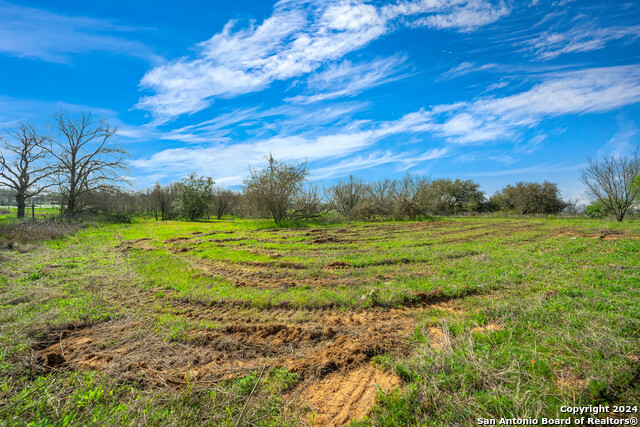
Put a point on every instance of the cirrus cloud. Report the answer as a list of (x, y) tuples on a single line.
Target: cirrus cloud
[(298, 38)]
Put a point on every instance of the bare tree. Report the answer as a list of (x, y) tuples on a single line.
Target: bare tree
[(162, 198), (223, 201), (615, 181), (275, 189), (406, 203), (382, 193), (23, 163), (347, 195), (87, 158), (308, 203)]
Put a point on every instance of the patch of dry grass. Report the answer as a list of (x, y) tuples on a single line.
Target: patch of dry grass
[(24, 232)]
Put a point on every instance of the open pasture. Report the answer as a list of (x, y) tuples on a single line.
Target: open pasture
[(398, 323)]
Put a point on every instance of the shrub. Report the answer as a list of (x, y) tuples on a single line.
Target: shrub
[(194, 196), (529, 198)]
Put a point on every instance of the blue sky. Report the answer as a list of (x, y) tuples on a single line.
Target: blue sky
[(494, 91)]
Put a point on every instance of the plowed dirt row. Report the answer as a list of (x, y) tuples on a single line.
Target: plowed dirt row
[(330, 350)]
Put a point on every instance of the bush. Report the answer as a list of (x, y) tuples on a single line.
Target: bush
[(529, 198), (195, 196), (406, 200), (445, 196), (279, 191), (597, 210), (348, 197)]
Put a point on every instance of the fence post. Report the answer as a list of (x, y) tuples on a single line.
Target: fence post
[(33, 211)]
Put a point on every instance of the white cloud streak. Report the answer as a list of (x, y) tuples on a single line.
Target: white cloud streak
[(588, 91), (298, 38), (484, 120), (27, 32), (466, 68), (623, 142), (225, 160), (348, 79), (582, 38)]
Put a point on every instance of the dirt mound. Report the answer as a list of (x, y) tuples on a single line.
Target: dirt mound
[(326, 239), (180, 249), (603, 234), (343, 396), (212, 232), (439, 339), (177, 240), (438, 296), (392, 261), (491, 327), (53, 359), (271, 264), (228, 239), (337, 265), (127, 245)]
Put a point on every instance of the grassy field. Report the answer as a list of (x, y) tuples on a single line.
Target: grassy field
[(432, 323), (41, 211)]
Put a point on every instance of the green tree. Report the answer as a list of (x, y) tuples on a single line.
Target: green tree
[(529, 198), (445, 196), (195, 195)]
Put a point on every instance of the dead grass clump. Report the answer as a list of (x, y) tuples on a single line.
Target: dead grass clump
[(21, 232)]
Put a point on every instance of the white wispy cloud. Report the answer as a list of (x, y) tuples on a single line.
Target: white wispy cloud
[(348, 79), (252, 123), (623, 142), (463, 15), (404, 160), (578, 92), (538, 169), (582, 38), (28, 32), (225, 160), (532, 145), (298, 38), (483, 120), (466, 68)]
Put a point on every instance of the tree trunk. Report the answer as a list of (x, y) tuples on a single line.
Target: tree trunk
[(71, 207), (21, 205), (620, 215)]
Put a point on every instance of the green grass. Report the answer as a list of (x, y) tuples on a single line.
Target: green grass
[(540, 313)]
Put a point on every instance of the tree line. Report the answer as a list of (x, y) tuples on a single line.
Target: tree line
[(77, 160), (76, 157)]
